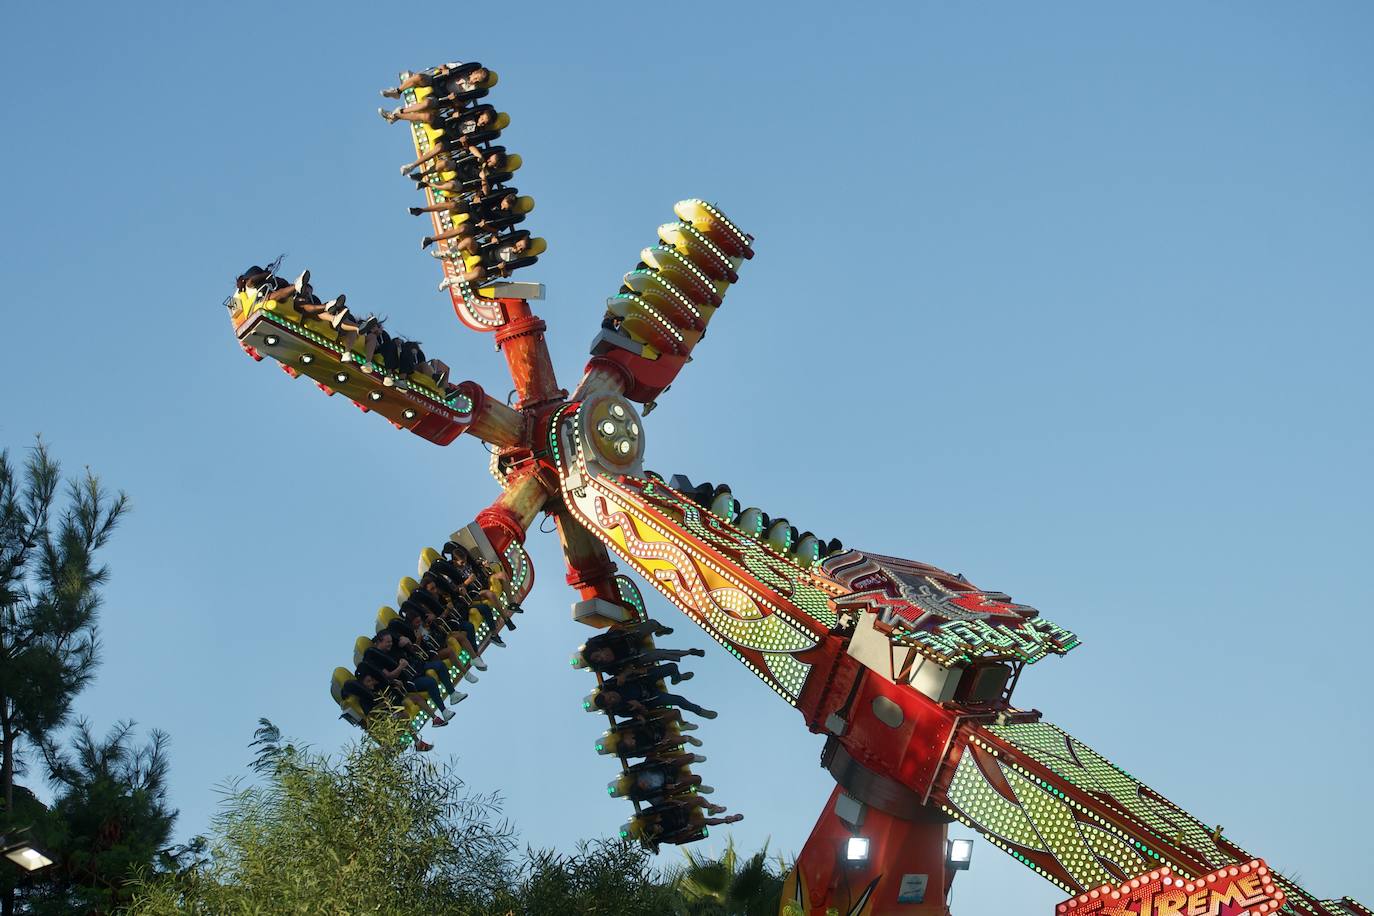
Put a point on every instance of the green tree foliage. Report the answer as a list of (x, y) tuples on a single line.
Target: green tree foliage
[(729, 886), (109, 819), (49, 597), (50, 585), (374, 829), (602, 878)]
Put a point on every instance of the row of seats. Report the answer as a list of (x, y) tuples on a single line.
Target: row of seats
[(803, 547), (410, 666), (361, 341), (666, 302), (466, 177), (648, 727)]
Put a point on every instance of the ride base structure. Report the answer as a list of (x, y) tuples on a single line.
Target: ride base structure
[(908, 671)]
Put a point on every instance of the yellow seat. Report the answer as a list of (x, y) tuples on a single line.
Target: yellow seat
[(403, 590), (384, 616), (341, 676), (420, 380), (427, 558), (360, 645)]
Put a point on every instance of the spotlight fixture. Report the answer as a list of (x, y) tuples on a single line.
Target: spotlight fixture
[(341, 377), (271, 340), (408, 414), (374, 395), (856, 849), (307, 358), (958, 854), (24, 854)]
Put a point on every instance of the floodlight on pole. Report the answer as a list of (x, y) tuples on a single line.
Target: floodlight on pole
[(24, 854), (959, 854)]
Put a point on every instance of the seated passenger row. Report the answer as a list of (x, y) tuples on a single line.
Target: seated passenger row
[(633, 674), (394, 357), (465, 175), (408, 669)]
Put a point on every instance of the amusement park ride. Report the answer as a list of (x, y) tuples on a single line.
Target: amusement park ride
[(907, 670)]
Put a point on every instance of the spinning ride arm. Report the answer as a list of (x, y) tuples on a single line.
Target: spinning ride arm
[(312, 348)]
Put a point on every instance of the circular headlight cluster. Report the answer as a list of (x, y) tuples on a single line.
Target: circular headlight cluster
[(614, 431)]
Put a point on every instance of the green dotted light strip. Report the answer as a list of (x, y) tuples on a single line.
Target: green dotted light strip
[(459, 403)]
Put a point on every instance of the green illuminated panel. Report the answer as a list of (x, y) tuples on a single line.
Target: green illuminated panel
[(990, 810), (1058, 828), (629, 593), (1092, 773), (762, 562), (787, 671), (1039, 819)]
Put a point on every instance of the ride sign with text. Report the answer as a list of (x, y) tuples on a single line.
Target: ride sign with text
[(1242, 889)]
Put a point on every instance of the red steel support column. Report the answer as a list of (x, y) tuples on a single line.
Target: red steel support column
[(902, 855), (521, 339), (590, 568), (514, 511)]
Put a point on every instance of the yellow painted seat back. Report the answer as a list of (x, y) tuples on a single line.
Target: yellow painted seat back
[(384, 616), (360, 645), (403, 590), (340, 677)]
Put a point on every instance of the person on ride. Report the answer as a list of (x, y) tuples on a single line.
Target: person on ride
[(265, 285), (604, 659), (636, 698), (462, 76), (501, 255), (448, 93), (401, 357), (436, 369), (405, 648), (453, 205), (461, 133), (368, 690), (625, 645), (654, 781), (421, 655), (476, 167), (647, 673), (385, 659), (436, 632), (439, 590), (466, 161), (674, 822), (652, 740), (655, 738), (394, 692), (499, 209), (488, 603)]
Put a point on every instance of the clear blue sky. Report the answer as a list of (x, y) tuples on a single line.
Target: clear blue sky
[(1073, 298)]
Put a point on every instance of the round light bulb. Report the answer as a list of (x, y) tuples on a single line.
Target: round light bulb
[(607, 428), (617, 411)]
